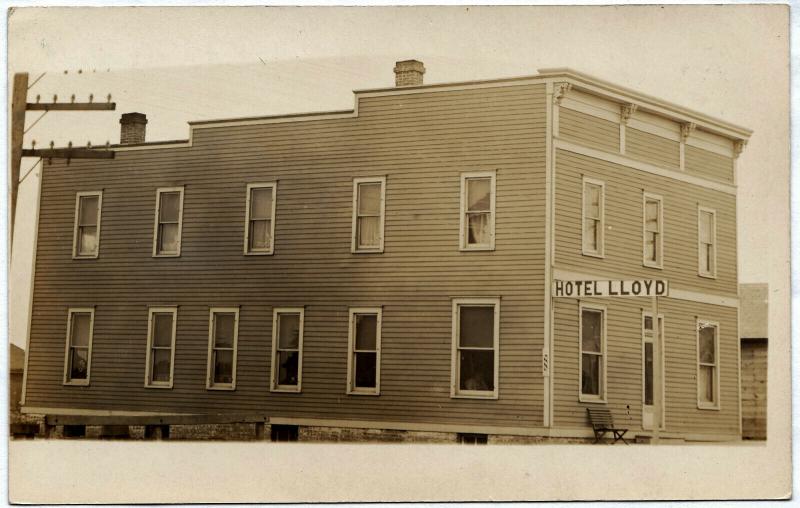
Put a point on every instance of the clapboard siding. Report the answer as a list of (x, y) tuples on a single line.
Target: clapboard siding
[(623, 222), (421, 143), (624, 365), (588, 130), (709, 164), (652, 148)]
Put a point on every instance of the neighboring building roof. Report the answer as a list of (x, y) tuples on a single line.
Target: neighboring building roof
[(753, 311), (16, 359)]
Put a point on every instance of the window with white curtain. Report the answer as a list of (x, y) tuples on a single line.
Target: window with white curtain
[(368, 214), (260, 218), (160, 346), (169, 216), (478, 210), (86, 241)]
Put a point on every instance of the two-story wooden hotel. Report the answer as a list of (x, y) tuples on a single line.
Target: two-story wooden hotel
[(391, 267)]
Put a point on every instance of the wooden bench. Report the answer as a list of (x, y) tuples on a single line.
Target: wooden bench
[(602, 423)]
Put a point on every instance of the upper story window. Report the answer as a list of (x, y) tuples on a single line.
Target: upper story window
[(259, 226), (364, 345), (653, 231), (707, 365), (592, 353), (223, 335), (476, 347), (78, 358), (287, 349), (707, 242), (369, 196), (477, 210), (593, 217), (160, 346), (86, 238), (169, 219)]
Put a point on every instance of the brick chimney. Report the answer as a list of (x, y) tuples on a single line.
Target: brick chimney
[(408, 73), (133, 127)]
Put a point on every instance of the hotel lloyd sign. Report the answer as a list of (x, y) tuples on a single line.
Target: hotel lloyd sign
[(610, 288)]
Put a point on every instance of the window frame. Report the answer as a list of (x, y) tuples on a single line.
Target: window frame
[(463, 222), (455, 364), (75, 240), (159, 191), (67, 381), (601, 241), (273, 377), (716, 406), (712, 274), (152, 311), (351, 351), (210, 385), (271, 250), (659, 247), (585, 397), (355, 248)]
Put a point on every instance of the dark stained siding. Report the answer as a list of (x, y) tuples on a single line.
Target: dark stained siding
[(623, 222), (709, 164), (754, 389), (588, 130), (421, 143), (651, 148), (624, 369)]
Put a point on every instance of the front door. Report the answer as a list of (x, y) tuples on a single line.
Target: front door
[(649, 363)]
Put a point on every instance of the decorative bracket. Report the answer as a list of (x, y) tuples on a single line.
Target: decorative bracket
[(560, 91), (738, 147), (626, 111), (687, 129)]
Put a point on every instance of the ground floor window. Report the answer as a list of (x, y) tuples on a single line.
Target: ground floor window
[(287, 349), (283, 433), (592, 353), (476, 339), (364, 362), (707, 365), (222, 338)]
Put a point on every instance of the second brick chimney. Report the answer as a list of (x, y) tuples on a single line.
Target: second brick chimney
[(133, 128), (408, 73)]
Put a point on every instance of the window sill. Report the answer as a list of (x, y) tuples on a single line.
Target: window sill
[(476, 395), (259, 253), (160, 386), (367, 251), (704, 407), (591, 399), (483, 248), (360, 392), (707, 275), (166, 255), (86, 257), (76, 383), (654, 266), (593, 254), (222, 388), (285, 390)]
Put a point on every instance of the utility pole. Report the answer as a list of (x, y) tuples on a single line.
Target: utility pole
[(19, 106)]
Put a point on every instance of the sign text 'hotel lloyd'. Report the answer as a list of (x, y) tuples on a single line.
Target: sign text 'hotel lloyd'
[(604, 288)]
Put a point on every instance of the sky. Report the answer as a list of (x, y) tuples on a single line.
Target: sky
[(183, 64)]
